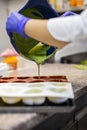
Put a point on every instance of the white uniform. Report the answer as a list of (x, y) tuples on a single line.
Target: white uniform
[(72, 29), (68, 28)]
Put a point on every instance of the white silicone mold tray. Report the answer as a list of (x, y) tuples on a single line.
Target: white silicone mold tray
[(36, 93)]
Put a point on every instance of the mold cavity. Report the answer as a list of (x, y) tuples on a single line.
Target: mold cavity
[(58, 84), (6, 78), (37, 85), (58, 89), (18, 81), (23, 77), (3, 81), (54, 76), (58, 77), (35, 90), (54, 80), (43, 77), (35, 77), (37, 80)]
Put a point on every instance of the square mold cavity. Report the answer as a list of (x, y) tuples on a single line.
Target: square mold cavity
[(41, 104)]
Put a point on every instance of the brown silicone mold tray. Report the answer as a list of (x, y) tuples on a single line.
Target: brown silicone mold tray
[(33, 79), (46, 107)]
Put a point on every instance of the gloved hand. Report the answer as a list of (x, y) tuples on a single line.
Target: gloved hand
[(15, 24), (68, 13)]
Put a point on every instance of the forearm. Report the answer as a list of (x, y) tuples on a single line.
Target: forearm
[(37, 29)]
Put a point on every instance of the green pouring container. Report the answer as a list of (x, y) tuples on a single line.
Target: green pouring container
[(29, 47)]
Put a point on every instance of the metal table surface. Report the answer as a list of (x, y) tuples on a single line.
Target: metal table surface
[(77, 77)]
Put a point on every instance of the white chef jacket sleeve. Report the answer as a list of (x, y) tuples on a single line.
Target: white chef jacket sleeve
[(68, 28)]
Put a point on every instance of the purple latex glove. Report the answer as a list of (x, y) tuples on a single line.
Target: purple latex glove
[(15, 24), (68, 13)]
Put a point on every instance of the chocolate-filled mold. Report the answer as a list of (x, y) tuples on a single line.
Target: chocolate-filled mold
[(18, 81), (32, 79), (7, 78), (3, 81), (41, 77), (37, 80), (26, 77), (57, 79)]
